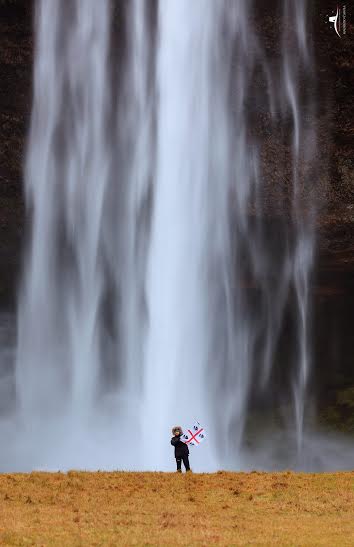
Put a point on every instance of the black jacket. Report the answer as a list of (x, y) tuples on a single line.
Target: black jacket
[(181, 449)]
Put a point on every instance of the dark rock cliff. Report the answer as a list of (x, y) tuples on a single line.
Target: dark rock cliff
[(16, 54)]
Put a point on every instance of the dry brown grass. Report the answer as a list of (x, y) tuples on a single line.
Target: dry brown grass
[(168, 509)]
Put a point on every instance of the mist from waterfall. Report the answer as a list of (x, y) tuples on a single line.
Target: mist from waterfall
[(156, 290)]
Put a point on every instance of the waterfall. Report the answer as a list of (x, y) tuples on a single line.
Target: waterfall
[(155, 287)]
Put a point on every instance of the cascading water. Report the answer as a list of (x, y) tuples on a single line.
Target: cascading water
[(152, 293)]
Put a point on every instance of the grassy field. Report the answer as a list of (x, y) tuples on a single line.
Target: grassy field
[(168, 509)]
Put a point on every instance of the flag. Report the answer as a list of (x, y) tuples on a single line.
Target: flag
[(194, 435)]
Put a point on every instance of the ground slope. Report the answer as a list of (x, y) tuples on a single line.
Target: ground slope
[(168, 509)]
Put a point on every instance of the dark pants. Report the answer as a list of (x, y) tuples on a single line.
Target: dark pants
[(185, 462)]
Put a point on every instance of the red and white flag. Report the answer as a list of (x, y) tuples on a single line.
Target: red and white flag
[(194, 435)]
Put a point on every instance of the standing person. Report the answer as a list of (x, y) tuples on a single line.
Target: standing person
[(181, 449)]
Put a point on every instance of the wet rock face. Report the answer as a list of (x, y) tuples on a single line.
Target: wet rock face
[(15, 104), (333, 179), (15, 91), (335, 58)]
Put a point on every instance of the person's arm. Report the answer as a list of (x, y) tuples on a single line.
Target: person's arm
[(175, 440)]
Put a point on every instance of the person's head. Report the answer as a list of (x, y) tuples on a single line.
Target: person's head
[(177, 430)]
